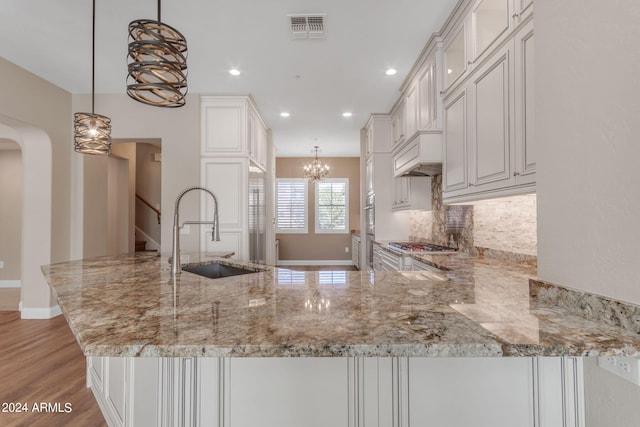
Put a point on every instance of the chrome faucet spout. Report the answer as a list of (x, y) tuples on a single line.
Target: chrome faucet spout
[(215, 230)]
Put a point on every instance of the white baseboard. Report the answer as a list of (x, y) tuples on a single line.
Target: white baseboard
[(10, 283), (39, 313), (314, 262)]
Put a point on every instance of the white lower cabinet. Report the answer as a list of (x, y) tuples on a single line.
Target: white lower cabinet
[(355, 250), (126, 389), (487, 392), (416, 265), (339, 391)]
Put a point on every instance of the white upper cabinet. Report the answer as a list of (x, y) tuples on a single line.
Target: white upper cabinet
[(454, 56), (257, 139), (412, 193), (491, 110), (428, 97), (454, 168), (232, 126), (525, 162), (489, 20), (224, 125), (522, 10), (479, 29), (398, 123), (378, 134), (489, 139), (411, 110)]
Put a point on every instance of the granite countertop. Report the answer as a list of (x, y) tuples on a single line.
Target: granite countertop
[(130, 305)]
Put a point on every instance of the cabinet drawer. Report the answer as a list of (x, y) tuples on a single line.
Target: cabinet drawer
[(390, 262)]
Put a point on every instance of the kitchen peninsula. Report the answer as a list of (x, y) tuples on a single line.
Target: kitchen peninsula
[(287, 348)]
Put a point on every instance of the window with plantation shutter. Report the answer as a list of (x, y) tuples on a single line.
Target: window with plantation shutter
[(291, 205), (332, 206)]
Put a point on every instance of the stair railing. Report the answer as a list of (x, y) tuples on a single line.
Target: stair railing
[(149, 205)]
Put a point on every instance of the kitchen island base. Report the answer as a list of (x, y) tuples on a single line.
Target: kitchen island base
[(338, 391)]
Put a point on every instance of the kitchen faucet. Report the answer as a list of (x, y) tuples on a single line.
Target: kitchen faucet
[(215, 229)]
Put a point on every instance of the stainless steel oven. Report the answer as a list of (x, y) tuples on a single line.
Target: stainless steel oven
[(370, 214)]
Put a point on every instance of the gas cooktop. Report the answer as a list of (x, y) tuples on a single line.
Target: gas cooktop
[(421, 247)]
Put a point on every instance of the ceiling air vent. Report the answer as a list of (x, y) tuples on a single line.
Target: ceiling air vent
[(307, 26)]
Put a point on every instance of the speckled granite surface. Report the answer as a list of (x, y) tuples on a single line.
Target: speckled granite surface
[(131, 306)]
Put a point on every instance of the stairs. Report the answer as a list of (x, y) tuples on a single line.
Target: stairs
[(141, 246)]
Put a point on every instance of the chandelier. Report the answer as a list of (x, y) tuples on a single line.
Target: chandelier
[(92, 132), (316, 171), (158, 63)]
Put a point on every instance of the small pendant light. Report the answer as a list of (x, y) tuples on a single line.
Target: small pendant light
[(92, 132), (157, 63)]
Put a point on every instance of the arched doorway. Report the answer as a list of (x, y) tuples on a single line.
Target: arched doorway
[(36, 298)]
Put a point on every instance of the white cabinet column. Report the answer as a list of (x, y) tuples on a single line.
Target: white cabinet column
[(234, 142)]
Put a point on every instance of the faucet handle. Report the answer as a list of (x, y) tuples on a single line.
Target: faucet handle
[(213, 233)]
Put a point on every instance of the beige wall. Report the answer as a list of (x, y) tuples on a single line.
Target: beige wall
[(321, 247), (127, 150), (587, 127), (148, 187), (40, 113), (178, 130), (11, 212)]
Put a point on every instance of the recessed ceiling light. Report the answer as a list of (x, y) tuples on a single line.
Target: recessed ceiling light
[(284, 114), (391, 71), (347, 114), (234, 72)]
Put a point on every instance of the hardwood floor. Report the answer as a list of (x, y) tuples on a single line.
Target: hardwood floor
[(41, 362), (9, 299)]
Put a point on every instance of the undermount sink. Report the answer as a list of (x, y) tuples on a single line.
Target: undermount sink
[(217, 270)]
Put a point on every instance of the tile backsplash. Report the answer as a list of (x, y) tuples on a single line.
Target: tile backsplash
[(503, 228)]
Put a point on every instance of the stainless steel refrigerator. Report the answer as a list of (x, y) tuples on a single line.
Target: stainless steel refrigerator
[(257, 212)]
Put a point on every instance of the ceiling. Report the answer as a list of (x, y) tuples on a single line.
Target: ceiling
[(314, 80)]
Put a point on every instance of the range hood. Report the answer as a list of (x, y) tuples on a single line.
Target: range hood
[(421, 155)]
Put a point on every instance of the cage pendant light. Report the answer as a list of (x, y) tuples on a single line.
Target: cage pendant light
[(92, 132), (316, 171), (157, 63)]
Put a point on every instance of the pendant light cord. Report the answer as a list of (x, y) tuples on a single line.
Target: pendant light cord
[(93, 58), (159, 11)]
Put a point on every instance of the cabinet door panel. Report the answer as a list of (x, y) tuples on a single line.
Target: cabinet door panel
[(490, 21), (289, 392), (226, 178), (115, 386), (224, 129), (455, 156), (411, 111), (491, 138), (479, 392), (524, 99), (425, 87)]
